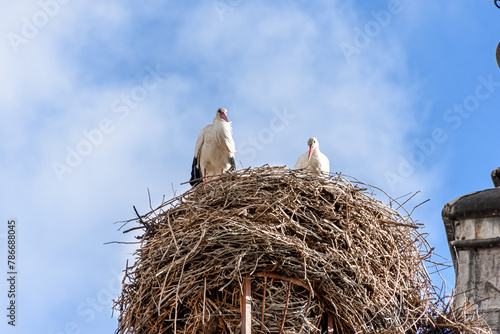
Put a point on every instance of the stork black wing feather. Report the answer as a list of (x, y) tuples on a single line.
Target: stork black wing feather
[(233, 164), (195, 173)]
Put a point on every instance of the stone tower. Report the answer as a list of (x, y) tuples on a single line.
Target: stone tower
[(472, 225)]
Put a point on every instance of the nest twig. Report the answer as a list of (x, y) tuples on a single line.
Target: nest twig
[(357, 259)]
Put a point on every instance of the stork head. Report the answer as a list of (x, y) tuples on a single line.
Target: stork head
[(313, 144), (221, 114)]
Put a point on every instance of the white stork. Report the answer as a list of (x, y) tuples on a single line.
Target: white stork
[(214, 149), (314, 159)]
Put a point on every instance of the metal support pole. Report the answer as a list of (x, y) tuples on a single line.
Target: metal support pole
[(246, 306), (330, 324)]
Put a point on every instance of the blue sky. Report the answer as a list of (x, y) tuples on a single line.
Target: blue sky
[(101, 102)]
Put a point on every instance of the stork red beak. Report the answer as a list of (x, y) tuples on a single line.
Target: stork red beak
[(311, 149), (223, 116)]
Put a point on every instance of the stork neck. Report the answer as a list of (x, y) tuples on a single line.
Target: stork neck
[(224, 135)]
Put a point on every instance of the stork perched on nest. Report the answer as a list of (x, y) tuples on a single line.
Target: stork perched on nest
[(214, 149), (314, 159)]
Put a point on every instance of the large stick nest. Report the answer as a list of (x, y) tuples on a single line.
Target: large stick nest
[(313, 246)]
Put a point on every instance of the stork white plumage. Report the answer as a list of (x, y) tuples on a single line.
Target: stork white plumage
[(214, 149), (313, 160)]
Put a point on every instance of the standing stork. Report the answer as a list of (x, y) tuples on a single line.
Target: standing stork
[(313, 160), (214, 149)]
